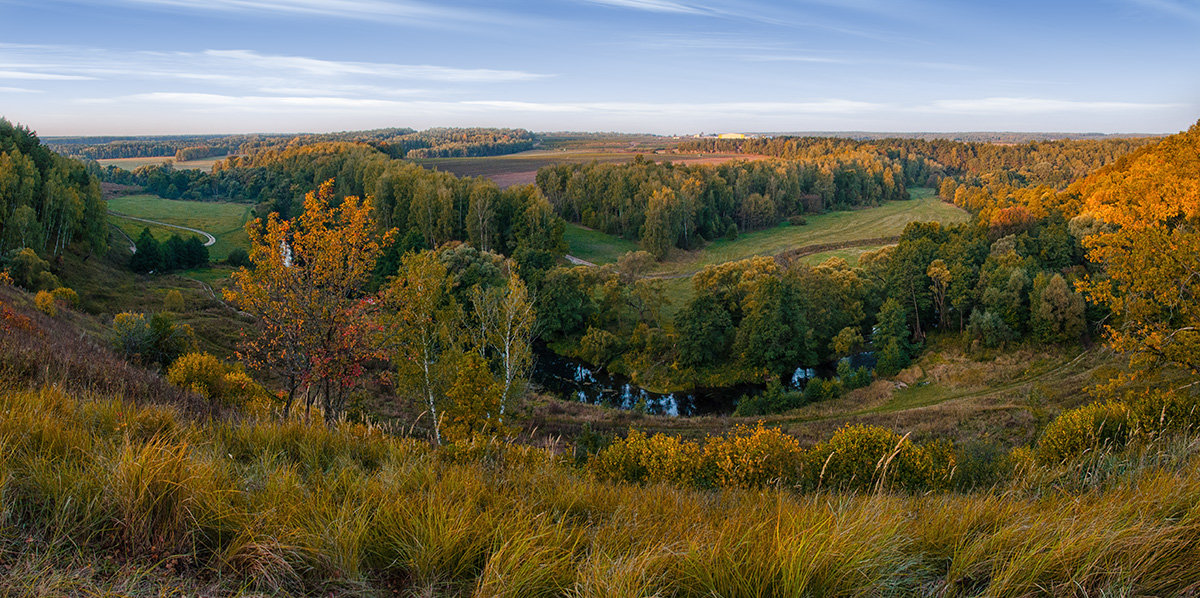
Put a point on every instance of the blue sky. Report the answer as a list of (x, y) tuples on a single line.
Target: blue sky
[(661, 66)]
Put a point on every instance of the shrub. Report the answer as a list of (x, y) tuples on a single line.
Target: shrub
[(66, 296), (1092, 427), (44, 302), (157, 339), (775, 399), (220, 383), (863, 457), (979, 465), (5, 279), (238, 258), (1155, 413), (852, 377), (658, 458), (173, 302), (797, 220), (31, 272), (752, 458), (820, 389)]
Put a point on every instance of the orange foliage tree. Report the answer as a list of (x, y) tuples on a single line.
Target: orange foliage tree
[(305, 290), (1151, 261)]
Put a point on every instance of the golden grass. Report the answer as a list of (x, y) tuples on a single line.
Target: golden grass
[(290, 507)]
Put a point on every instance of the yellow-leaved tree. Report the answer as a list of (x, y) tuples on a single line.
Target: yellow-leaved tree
[(1151, 254), (466, 362)]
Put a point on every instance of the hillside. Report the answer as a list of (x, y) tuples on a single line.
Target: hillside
[(116, 483)]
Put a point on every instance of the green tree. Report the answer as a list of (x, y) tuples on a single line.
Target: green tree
[(890, 338), (706, 332)]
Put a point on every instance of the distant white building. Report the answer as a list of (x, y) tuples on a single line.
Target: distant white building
[(731, 136)]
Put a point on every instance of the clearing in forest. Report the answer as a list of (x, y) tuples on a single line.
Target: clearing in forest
[(223, 220)]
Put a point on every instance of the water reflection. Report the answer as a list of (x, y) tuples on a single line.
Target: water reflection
[(570, 379), (574, 380)]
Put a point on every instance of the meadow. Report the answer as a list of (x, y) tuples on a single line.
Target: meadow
[(830, 228), (225, 221)]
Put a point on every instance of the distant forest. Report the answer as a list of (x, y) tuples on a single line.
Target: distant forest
[(395, 142)]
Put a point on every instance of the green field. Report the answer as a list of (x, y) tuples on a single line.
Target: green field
[(225, 221), (599, 247), (133, 228), (887, 220)]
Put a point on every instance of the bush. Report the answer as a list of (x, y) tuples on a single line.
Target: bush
[(173, 302), (44, 302), (5, 279), (775, 399), (222, 384), (66, 296), (1155, 413), (752, 458), (797, 220), (157, 339), (852, 377), (866, 457), (639, 458), (238, 258), (820, 389), (1096, 426), (31, 272)]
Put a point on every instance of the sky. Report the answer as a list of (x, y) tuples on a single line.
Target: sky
[(139, 67)]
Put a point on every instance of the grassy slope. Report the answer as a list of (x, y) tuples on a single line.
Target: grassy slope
[(133, 228), (106, 287), (223, 220), (116, 484), (595, 246)]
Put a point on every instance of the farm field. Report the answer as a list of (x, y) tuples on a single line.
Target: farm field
[(225, 221), (205, 164), (521, 168)]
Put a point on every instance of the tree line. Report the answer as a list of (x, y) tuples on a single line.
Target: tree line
[(665, 205), (396, 142), (47, 201)]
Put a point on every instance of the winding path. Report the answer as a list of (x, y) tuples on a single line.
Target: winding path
[(209, 239)]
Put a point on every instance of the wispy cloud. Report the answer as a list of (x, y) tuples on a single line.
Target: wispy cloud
[(1002, 105), (19, 90), (41, 76), (437, 14), (306, 102), (240, 70), (326, 68), (657, 6), (1178, 8)]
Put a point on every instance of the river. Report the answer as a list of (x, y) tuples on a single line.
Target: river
[(574, 380)]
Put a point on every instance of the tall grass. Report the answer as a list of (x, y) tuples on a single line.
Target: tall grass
[(286, 507)]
